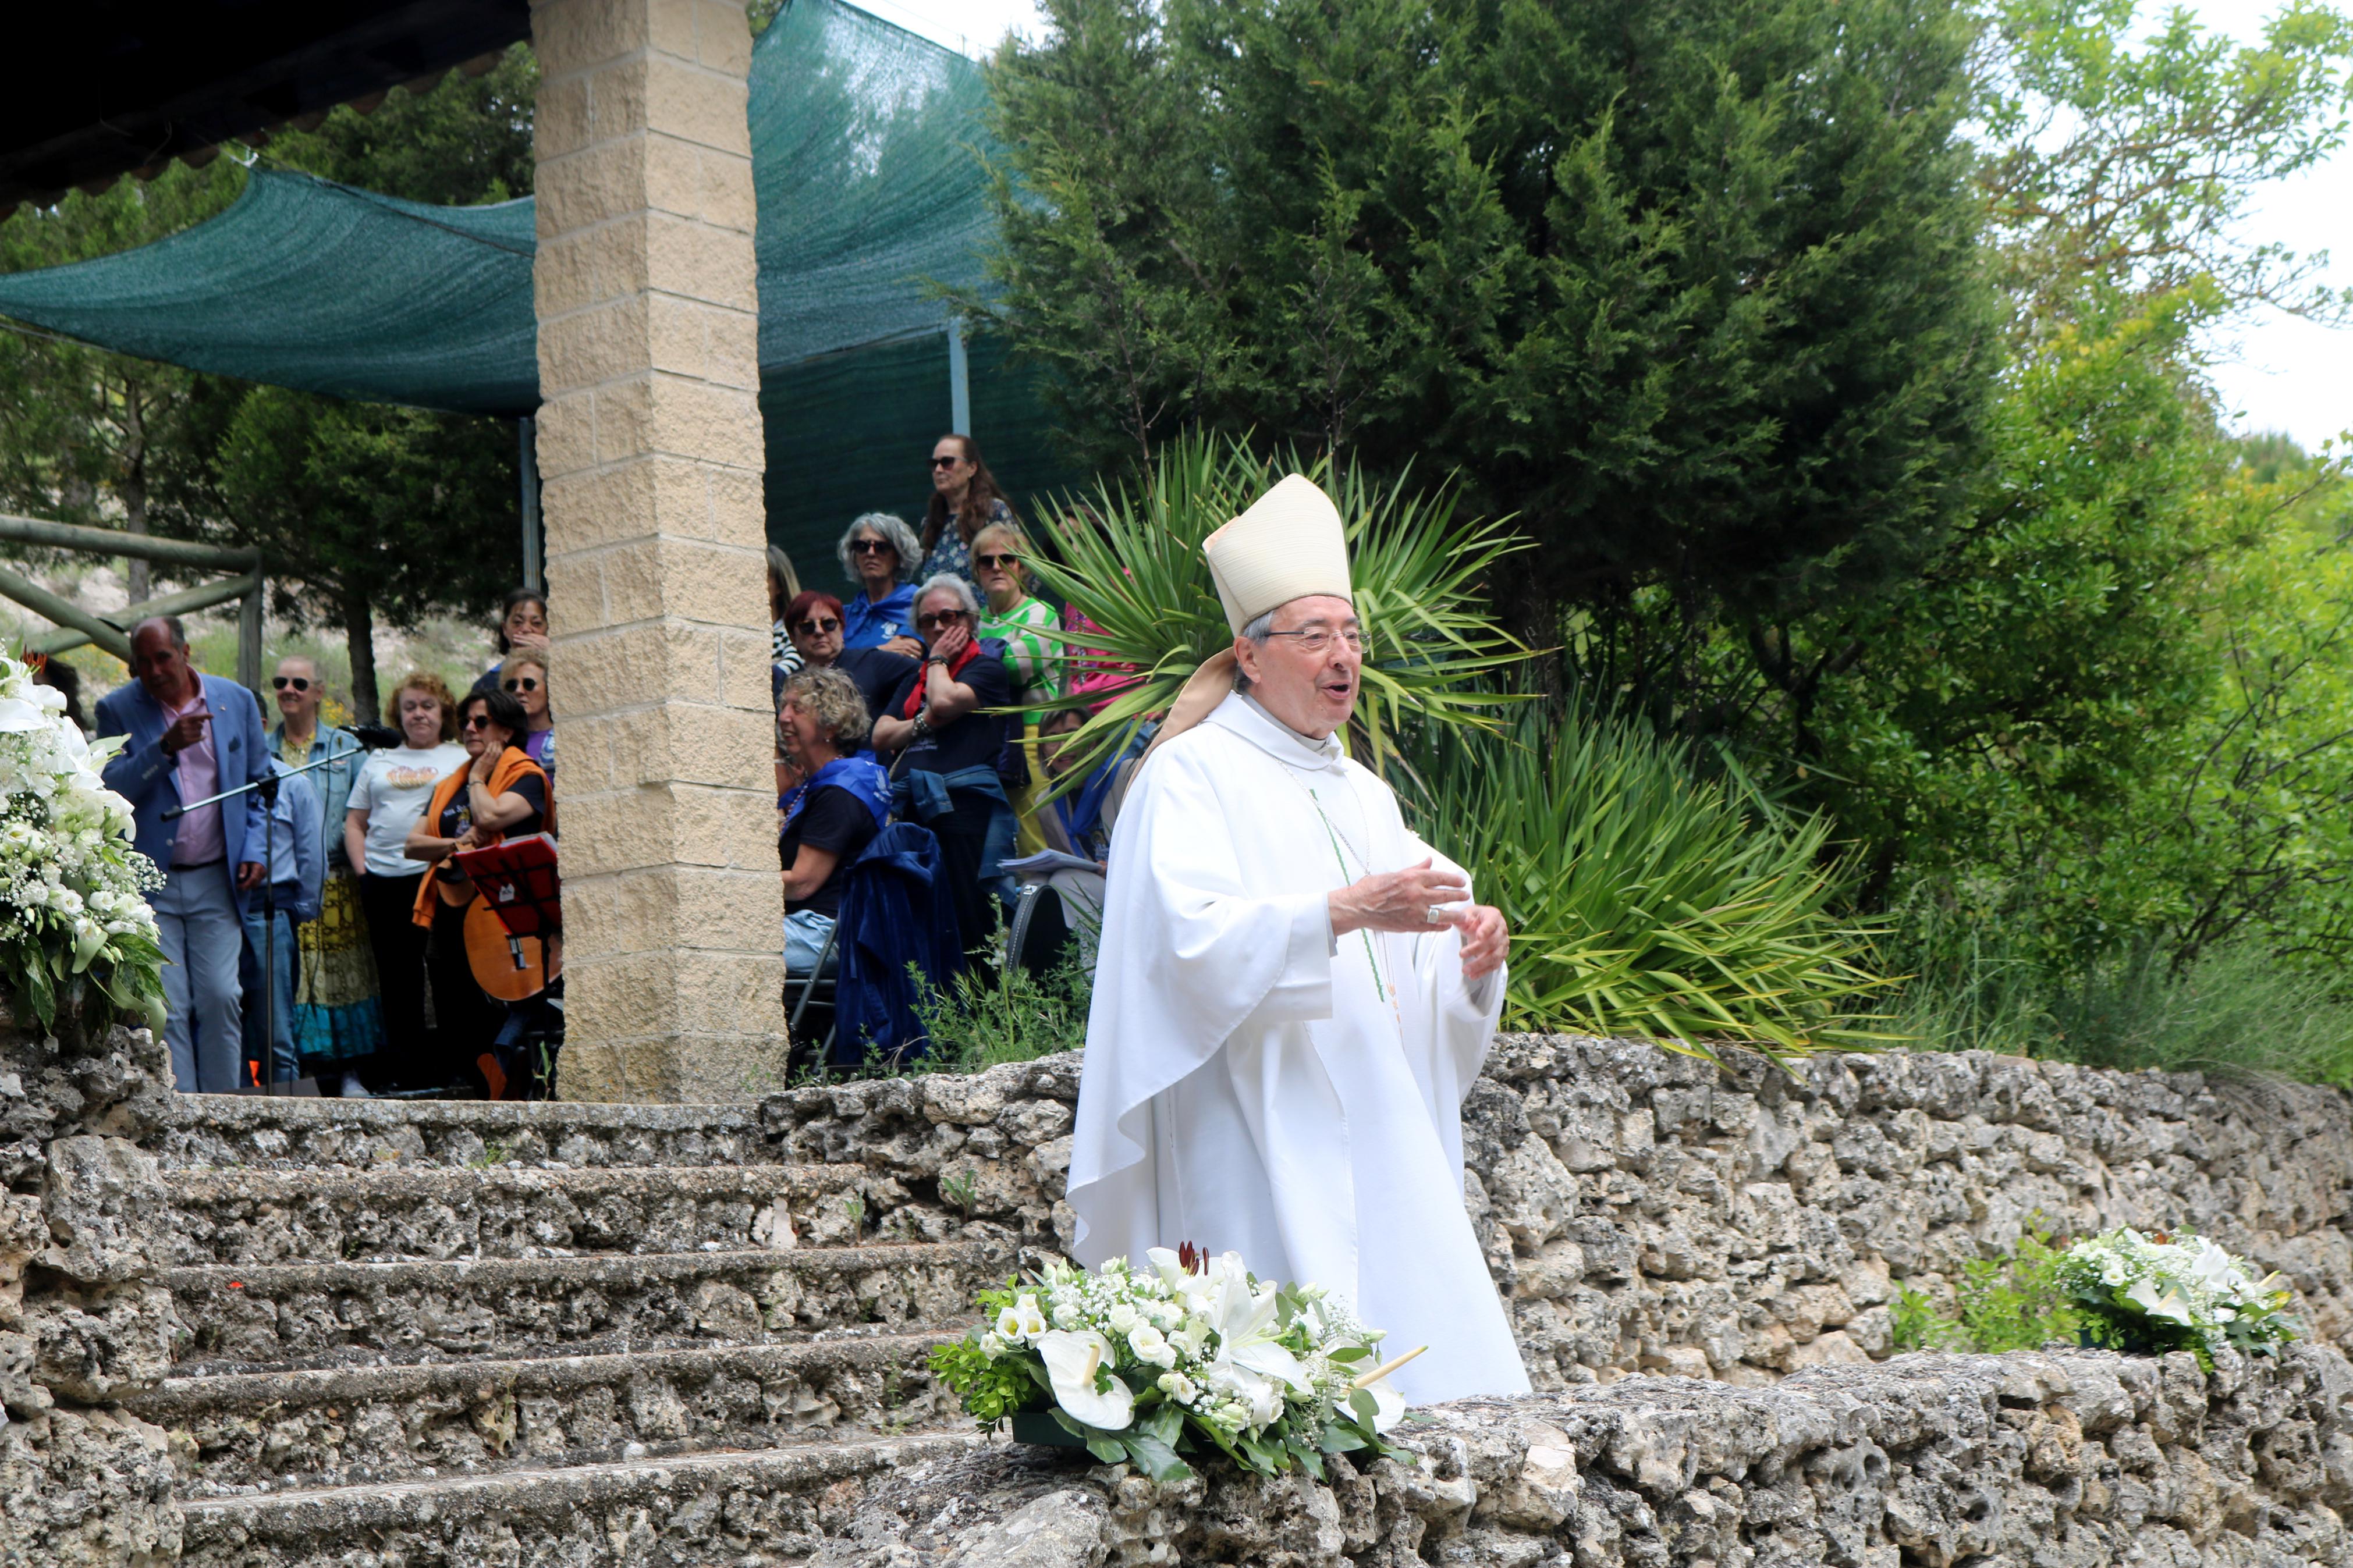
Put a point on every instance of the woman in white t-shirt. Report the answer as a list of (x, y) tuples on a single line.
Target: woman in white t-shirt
[(387, 800)]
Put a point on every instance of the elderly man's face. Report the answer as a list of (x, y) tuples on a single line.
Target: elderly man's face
[(1306, 674), (161, 664)]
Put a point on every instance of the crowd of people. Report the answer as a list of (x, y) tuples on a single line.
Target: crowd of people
[(926, 694), (325, 925), (321, 856)]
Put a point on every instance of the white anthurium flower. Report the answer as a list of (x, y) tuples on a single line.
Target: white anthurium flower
[(1388, 1405), (2160, 1300), (17, 715), (1072, 1361)]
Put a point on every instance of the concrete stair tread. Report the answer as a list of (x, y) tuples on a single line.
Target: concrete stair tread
[(285, 1316), (215, 1392), (337, 1515), (212, 1185), (311, 1134), (583, 1267)]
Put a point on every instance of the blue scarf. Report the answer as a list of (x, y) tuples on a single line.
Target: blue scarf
[(862, 776)]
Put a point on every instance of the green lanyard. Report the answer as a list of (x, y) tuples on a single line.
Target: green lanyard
[(1380, 981)]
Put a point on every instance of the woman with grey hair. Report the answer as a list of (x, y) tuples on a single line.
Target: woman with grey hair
[(877, 552), (946, 722), (841, 803)]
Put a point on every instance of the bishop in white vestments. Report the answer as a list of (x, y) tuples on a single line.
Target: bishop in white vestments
[(1293, 991)]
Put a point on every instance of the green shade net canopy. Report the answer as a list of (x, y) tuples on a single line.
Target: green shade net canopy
[(864, 142)]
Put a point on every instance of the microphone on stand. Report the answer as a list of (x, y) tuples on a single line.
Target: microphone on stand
[(376, 737)]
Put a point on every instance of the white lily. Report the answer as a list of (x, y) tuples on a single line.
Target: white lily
[(1072, 1360), (1245, 1322)]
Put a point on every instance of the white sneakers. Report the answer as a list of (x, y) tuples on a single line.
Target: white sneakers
[(354, 1089)]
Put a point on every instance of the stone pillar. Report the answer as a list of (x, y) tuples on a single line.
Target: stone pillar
[(651, 456)]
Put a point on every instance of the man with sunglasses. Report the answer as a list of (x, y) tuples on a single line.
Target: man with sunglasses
[(192, 735)]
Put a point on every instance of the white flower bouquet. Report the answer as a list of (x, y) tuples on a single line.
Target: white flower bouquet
[(1191, 1355), (2147, 1294), (72, 919)]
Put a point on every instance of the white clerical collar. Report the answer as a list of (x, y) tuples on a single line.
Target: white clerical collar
[(1245, 716)]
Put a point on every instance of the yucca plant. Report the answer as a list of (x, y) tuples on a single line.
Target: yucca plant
[(1130, 559), (1642, 900)]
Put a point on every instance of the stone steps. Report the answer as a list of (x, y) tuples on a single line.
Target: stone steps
[(216, 1131), (291, 1314), (449, 1332), (256, 1217), (354, 1426), (702, 1510)]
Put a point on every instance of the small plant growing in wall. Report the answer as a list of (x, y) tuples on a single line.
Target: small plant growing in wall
[(962, 1190)]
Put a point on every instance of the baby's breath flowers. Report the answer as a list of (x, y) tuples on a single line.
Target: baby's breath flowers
[(71, 918), (1144, 1364)]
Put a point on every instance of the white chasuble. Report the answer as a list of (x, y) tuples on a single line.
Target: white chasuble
[(1253, 1084)]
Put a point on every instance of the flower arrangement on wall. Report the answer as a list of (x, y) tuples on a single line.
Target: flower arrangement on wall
[(75, 928), (1190, 1356)]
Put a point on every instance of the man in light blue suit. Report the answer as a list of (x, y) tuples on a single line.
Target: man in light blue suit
[(191, 736)]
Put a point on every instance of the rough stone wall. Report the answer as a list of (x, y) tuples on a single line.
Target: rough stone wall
[(82, 1320), (1645, 1211), (2054, 1460)]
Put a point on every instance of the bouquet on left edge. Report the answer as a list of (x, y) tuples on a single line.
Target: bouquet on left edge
[(1191, 1355), (72, 919)]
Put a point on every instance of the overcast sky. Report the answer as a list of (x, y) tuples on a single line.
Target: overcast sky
[(2277, 373)]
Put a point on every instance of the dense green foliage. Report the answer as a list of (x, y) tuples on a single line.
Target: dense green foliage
[(2058, 665), (365, 514), (1644, 900), (1688, 286), (1130, 558)]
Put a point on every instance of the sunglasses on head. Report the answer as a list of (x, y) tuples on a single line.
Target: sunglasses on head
[(521, 683), (991, 563), (939, 619), (869, 547), (282, 681), (816, 628), (946, 462)]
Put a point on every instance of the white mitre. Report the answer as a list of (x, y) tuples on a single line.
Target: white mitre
[(1290, 544)]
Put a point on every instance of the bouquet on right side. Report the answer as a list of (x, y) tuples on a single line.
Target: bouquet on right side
[(2146, 1294)]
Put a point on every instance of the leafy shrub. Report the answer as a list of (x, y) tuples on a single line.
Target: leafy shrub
[(981, 1021), (2016, 1303), (2237, 1010), (1643, 900), (1131, 561)]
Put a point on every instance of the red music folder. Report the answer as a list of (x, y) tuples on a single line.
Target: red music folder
[(517, 880)]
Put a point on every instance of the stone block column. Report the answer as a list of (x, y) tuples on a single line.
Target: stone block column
[(650, 457)]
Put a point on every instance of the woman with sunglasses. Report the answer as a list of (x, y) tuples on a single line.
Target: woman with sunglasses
[(966, 499), (816, 623), (522, 624), (525, 680), (338, 1025), (947, 718), (1024, 624), (876, 552), (500, 794)]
